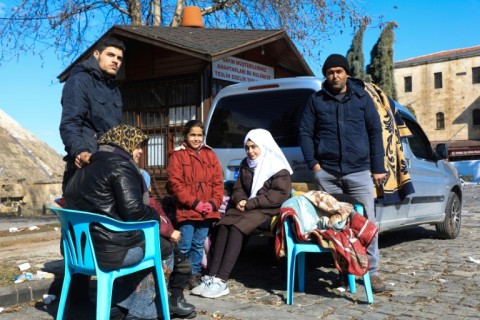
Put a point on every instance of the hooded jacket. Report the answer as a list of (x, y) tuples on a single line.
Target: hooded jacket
[(194, 176), (91, 105), (343, 136)]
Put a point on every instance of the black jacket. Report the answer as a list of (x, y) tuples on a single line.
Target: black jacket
[(343, 136), (111, 185), (91, 105)]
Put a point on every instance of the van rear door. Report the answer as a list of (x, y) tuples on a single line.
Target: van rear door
[(272, 105)]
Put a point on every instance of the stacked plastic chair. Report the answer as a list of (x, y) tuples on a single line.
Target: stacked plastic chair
[(79, 257)]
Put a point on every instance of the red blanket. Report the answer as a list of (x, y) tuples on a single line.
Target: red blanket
[(348, 246)]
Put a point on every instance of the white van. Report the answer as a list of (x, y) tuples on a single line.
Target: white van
[(276, 105)]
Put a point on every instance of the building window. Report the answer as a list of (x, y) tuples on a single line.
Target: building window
[(440, 121), (181, 115), (476, 75), (476, 117), (408, 84), (438, 80), (156, 150)]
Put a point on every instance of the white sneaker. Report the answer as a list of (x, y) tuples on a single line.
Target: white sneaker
[(204, 282), (216, 288)]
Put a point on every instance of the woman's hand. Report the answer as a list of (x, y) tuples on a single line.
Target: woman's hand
[(241, 205), (176, 235)]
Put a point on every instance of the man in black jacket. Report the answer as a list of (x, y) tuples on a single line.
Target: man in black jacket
[(341, 139), (91, 104)]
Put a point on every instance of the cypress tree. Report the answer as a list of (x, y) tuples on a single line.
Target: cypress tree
[(355, 54), (380, 68)]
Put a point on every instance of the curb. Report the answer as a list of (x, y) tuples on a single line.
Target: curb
[(30, 291)]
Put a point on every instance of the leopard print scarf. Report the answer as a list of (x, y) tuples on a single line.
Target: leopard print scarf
[(124, 136)]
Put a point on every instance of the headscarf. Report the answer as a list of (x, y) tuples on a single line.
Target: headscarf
[(270, 161), (124, 136)]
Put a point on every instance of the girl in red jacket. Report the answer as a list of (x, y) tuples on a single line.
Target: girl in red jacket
[(196, 182)]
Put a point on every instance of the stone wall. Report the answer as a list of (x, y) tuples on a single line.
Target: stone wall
[(457, 98), (20, 197)]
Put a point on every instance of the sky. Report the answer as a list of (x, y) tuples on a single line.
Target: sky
[(30, 92)]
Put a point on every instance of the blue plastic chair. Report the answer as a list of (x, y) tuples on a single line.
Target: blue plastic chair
[(297, 250), (79, 257)]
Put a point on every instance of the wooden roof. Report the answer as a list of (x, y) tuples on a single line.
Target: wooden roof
[(211, 44)]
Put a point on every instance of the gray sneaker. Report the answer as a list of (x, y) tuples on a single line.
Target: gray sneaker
[(215, 289), (204, 282)]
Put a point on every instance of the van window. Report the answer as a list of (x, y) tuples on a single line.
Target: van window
[(418, 141), (276, 111)]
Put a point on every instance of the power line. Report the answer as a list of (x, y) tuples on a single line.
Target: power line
[(26, 18)]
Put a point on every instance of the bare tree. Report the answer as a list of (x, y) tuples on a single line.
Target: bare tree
[(70, 26)]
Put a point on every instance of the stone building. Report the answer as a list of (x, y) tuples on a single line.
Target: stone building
[(443, 89), (30, 171)]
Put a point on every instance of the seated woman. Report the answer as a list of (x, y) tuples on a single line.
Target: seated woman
[(262, 186), (113, 185)]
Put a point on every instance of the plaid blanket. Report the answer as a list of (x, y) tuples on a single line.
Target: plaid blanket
[(310, 213)]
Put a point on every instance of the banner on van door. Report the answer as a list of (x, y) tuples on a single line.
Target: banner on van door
[(239, 70)]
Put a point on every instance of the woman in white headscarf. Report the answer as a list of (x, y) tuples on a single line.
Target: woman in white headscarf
[(262, 186)]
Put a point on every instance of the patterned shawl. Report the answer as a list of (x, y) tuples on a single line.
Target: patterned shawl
[(398, 184)]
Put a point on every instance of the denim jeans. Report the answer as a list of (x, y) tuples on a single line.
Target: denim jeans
[(192, 241), (360, 186), (137, 292)]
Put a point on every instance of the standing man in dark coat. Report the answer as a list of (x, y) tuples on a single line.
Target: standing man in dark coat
[(91, 104), (341, 139)]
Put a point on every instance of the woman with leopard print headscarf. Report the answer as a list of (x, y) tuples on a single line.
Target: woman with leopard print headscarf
[(113, 185)]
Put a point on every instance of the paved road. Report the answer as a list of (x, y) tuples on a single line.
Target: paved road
[(428, 278)]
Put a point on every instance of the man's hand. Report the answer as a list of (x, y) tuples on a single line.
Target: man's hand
[(316, 167), (379, 179), (83, 159)]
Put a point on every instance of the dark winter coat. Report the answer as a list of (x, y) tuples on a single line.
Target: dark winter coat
[(195, 176), (111, 185), (91, 105), (260, 209), (342, 136)]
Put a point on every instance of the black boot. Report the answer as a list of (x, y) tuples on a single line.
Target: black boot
[(118, 313), (181, 308)]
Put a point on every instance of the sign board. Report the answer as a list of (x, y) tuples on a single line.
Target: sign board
[(239, 70), (464, 152)]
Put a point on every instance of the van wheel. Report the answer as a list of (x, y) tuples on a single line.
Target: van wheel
[(450, 227)]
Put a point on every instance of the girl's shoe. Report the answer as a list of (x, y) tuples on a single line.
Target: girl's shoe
[(194, 281), (205, 281), (215, 289)]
